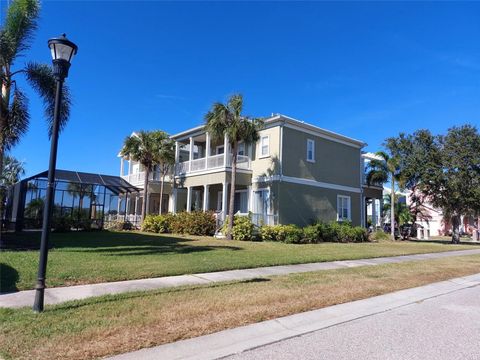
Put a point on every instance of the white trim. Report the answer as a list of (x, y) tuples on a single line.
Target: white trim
[(311, 141), (349, 207), (308, 182)]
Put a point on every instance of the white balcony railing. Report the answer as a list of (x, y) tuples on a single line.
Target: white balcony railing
[(138, 179), (212, 162)]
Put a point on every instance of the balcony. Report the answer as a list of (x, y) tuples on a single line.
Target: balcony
[(138, 179), (211, 163)]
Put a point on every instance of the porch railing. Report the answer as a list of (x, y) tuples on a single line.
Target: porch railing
[(138, 179), (212, 162)]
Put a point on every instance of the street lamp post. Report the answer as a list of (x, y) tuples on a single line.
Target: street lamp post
[(63, 51)]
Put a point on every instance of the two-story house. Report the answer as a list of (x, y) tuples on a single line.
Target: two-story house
[(296, 173)]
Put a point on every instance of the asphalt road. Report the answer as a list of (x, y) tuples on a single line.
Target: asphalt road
[(445, 327)]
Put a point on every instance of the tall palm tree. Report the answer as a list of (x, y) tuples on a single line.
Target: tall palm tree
[(379, 172), (165, 160), (16, 34), (227, 119), (144, 147)]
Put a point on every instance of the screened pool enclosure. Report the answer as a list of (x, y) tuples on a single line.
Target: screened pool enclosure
[(82, 200)]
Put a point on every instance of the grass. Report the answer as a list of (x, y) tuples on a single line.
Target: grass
[(93, 257), (114, 324)]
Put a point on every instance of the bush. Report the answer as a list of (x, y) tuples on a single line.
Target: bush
[(193, 223), (282, 233), (157, 223), (62, 224), (118, 225), (334, 232), (379, 236), (293, 234), (243, 228)]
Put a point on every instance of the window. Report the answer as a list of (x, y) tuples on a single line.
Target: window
[(343, 208), (265, 146), (220, 149), (311, 150), (241, 149)]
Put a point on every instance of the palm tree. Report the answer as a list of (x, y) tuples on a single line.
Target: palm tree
[(13, 170), (144, 147), (166, 160), (16, 34), (379, 172), (402, 212), (227, 119)]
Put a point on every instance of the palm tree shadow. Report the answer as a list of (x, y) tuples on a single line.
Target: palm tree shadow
[(8, 279)]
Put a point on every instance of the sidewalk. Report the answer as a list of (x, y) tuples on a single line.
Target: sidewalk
[(62, 294), (234, 341)]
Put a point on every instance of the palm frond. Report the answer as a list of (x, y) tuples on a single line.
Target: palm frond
[(41, 78), (20, 25), (17, 120)]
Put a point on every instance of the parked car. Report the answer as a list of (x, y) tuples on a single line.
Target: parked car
[(408, 231), (387, 229)]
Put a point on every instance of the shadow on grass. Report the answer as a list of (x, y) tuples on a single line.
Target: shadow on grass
[(76, 304), (116, 243), (8, 279)]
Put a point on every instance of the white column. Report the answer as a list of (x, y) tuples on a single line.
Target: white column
[(249, 197), (127, 206), (205, 197), (121, 166), (190, 157), (177, 152), (226, 151), (189, 199), (130, 166), (374, 213), (136, 205), (172, 203), (207, 148), (224, 200)]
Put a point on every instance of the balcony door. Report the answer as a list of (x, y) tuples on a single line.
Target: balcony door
[(261, 205)]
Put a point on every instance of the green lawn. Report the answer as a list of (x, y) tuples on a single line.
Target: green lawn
[(79, 258)]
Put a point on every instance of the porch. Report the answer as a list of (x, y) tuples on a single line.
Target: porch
[(201, 153)]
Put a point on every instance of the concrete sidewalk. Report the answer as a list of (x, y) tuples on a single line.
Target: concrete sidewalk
[(62, 294), (234, 341)]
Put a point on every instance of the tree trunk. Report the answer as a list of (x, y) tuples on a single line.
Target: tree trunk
[(455, 231), (145, 193), (161, 194), (4, 104), (232, 192), (392, 209)]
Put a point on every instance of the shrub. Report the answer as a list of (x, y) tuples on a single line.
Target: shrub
[(157, 223), (282, 233), (118, 225), (311, 234), (62, 224), (293, 234), (193, 223), (334, 232), (243, 228), (379, 236)]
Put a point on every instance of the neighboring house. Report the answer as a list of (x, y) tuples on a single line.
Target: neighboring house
[(430, 218), (296, 173)]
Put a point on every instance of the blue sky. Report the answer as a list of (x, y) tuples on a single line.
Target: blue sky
[(366, 70)]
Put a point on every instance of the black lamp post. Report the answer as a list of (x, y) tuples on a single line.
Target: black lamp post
[(63, 51)]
